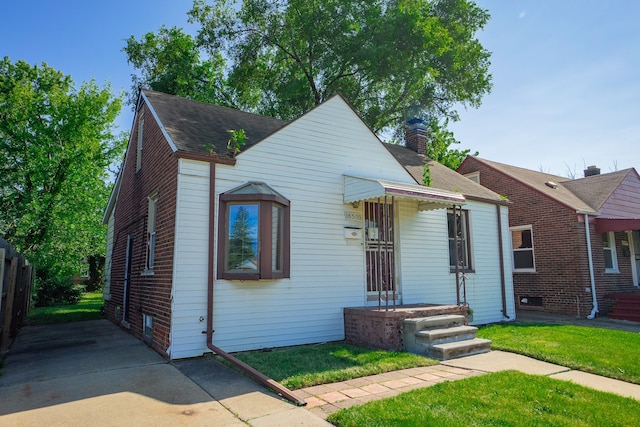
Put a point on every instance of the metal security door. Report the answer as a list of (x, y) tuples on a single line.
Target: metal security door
[(380, 251)]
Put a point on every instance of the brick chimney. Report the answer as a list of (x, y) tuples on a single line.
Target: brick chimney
[(591, 171), (415, 136)]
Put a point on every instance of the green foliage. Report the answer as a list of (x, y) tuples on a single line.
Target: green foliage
[(285, 57), (426, 175), (304, 366), (505, 398), (50, 291), (615, 355), (236, 142), (57, 144), (241, 240), (439, 145), (88, 308), (170, 61)]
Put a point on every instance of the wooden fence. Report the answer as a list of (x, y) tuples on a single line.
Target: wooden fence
[(16, 284)]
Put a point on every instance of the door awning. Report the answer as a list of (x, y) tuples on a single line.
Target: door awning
[(368, 189), (604, 225)]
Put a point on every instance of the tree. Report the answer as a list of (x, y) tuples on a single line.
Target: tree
[(57, 145), (285, 57), (439, 145), (170, 62)]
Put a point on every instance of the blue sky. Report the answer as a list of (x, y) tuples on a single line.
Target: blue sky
[(566, 73)]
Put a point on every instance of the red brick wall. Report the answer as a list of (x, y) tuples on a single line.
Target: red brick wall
[(370, 327), (562, 270), (149, 294)]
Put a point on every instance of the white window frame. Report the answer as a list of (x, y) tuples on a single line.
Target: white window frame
[(140, 140), (473, 176), (611, 246), (514, 249), (467, 244), (150, 257)]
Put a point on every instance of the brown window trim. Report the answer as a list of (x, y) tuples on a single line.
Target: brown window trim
[(265, 202)]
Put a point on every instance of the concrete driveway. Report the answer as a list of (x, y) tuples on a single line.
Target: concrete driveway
[(93, 373)]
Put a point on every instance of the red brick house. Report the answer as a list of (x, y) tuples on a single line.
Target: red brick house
[(559, 265)]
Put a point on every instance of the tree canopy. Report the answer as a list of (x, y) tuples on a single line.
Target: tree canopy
[(57, 145), (285, 57)]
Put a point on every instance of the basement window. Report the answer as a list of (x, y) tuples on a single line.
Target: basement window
[(253, 239)]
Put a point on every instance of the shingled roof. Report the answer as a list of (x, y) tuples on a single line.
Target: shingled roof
[(596, 189), (584, 194), (442, 177), (193, 125)]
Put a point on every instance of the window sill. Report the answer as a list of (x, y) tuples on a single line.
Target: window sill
[(147, 273), (524, 271), (611, 271)]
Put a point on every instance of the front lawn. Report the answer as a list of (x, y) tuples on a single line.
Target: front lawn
[(304, 366), (88, 308), (506, 398), (605, 352)]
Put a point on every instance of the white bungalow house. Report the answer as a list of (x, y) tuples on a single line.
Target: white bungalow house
[(271, 246)]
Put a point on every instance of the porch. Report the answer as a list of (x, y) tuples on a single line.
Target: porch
[(382, 328)]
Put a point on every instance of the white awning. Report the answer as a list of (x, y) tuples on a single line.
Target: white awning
[(368, 189)]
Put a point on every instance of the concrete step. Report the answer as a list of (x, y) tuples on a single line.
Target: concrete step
[(445, 335), (457, 349), (434, 322)]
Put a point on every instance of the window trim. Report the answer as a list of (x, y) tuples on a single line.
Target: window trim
[(140, 140), (150, 238), (611, 242), (532, 249), (467, 239), (265, 270)]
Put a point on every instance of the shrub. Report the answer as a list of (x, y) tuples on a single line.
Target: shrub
[(50, 291)]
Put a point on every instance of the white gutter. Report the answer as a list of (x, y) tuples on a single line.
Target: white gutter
[(594, 310)]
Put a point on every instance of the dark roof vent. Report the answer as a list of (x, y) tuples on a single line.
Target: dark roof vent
[(591, 171), (551, 184)]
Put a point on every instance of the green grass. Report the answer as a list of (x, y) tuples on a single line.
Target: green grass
[(304, 366), (605, 352), (88, 308), (506, 398)]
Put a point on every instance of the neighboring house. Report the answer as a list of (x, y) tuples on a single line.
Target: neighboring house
[(560, 265), (267, 248)]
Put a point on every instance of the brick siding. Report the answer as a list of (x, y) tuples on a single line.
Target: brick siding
[(149, 294), (562, 271)]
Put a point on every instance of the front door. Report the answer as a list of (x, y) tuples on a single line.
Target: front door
[(379, 252)]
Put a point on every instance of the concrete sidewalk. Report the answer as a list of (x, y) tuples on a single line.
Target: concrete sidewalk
[(325, 399)]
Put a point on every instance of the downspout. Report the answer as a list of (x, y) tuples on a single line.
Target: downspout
[(503, 285), (594, 310), (455, 251), (258, 376)]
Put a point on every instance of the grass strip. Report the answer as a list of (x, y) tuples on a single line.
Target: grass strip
[(308, 365), (88, 308), (606, 352), (506, 398)]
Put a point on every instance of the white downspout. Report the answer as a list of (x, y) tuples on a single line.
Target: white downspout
[(594, 310)]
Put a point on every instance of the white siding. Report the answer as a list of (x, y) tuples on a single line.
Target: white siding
[(424, 260), (189, 302), (106, 290), (306, 162)]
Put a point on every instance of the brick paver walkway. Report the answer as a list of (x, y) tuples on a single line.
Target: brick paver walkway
[(325, 399)]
